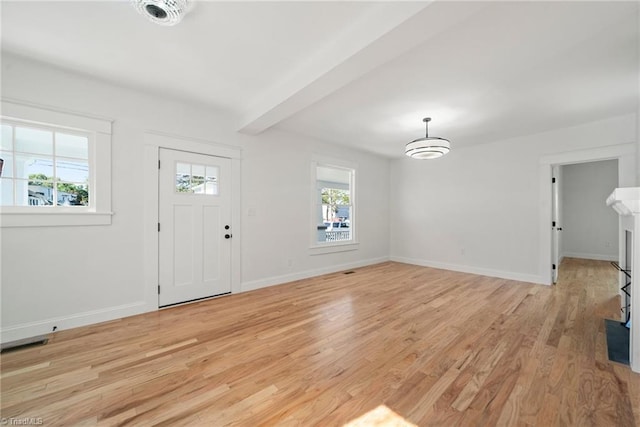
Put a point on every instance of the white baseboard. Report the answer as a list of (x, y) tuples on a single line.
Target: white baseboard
[(43, 327), (278, 280), (598, 257), (26, 330), (530, 278)]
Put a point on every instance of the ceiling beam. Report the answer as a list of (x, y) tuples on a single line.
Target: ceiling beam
[(386, 32)]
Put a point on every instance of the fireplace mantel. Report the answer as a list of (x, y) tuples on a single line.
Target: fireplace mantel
[(625, 201)]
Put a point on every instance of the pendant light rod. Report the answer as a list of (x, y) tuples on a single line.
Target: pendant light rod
[(426, 121)]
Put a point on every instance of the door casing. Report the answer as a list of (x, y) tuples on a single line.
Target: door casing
[(556, 226), (153, 141), (626, 155)]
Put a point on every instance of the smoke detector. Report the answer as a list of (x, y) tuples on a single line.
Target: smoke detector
[(163, 12)]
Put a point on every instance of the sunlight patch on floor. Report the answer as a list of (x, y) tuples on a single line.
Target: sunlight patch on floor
[(380, 417)]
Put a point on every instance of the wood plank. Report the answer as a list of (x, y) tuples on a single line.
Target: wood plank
[(391, 342)]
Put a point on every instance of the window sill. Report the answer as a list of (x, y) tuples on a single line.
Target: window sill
[(54, 219), (330, 248)]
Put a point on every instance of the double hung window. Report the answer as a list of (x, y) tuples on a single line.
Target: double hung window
[(334, 220), (55, 168)]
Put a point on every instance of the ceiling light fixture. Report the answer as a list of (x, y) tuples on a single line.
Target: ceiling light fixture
[(429, 147), (163, 12)]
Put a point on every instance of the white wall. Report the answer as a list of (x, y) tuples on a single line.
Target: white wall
[(478, 208), (638, 141), (589, 226), (638, 107), (68, 276), (280, 209)]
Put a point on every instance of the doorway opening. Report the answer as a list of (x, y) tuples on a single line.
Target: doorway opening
[(582, 225), (626, 156)]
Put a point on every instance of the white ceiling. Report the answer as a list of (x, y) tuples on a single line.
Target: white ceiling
[(362, 74)]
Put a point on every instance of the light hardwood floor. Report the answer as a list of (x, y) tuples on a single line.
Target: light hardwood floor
[(436, 347)]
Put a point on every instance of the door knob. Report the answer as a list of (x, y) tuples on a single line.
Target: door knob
[(228, 236), (226, 227)]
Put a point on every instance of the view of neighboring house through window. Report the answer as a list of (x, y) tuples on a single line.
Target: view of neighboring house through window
[(196, 179), (335, 212), (43, 166)]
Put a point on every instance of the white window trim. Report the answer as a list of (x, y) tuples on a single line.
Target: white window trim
[(99, 212), (318, 248)]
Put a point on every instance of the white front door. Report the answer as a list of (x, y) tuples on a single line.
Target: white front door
[(195, 226)]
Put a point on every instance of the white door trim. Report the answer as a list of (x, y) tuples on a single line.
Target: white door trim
[(555, 222), (626, 155), (153, 141)]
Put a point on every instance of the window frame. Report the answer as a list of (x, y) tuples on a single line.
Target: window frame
[(98, 130), (316, 247), (204, 180)]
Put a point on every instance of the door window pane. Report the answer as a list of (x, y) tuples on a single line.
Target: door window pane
[(183, 168), (34, 141), (196, 179), (211, 180), (183, 177)]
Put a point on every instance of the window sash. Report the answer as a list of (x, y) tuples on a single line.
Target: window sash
[(329, 235), (16, 179), (99, 210)]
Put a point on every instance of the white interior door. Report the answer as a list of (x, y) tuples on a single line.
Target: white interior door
[(195, 226), (555, 221)]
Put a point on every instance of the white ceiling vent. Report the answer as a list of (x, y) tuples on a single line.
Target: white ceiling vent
[(163, 12)]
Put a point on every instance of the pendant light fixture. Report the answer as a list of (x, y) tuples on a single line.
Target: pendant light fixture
[(429, 147), (163, 12)]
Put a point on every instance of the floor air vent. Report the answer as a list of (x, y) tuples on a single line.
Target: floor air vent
[(23, 343), (348, 272)]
